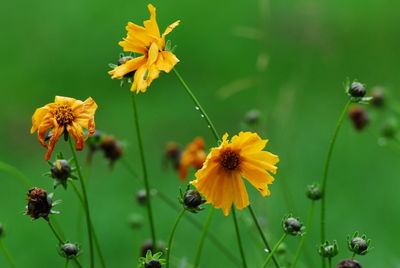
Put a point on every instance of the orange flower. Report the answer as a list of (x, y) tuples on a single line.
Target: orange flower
[(193, 155), (64, 115), (220, 179), (156, 58)]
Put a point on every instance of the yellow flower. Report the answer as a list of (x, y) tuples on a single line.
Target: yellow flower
[(193, 155), (220, 179), (147, 41), (64, 115)]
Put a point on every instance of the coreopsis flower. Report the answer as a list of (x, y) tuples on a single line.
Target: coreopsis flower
[(151, 44), (64, 115), (220, 179), (194, 155)]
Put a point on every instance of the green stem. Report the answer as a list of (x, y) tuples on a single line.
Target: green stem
[(144, 168), (354, 254), (95, 238), (238, 237), (86, 202), (7, 254), (330, 262), (61, 240), (268, 259), (326, 169), (66, 263), (15, 172), (203, 236), (266, 244), (171, 236), (198, 105), (303, 238), (232, 257)]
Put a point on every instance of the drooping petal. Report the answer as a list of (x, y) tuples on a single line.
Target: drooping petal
[(239, 191), (127, 67), (85, 115), (37, 117), (262, 159), (76, 132), (139, 84), (47, 124), (248, 141), (55, 135), (153, 54)]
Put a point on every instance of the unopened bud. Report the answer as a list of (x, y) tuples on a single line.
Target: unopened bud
[(357, 90), (153, 263), (349, 263), (61, 169), (328, 250), (70, 250), (358, 244), (292, 226), (314, 192)]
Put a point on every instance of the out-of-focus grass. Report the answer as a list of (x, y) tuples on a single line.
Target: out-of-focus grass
[(62, 48)]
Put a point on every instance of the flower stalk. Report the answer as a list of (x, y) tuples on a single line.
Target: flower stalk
[(326, 169), (203, 237), (86, 203), (144, 169), (171, 236), (7, 254), (271, 254), (238, 238)]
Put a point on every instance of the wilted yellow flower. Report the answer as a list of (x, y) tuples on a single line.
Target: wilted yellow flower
[(193, 155), (220, 179), (64, 115), (147, 41)]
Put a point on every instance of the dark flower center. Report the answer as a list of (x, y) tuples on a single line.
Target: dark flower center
[(229, 159), (64, 115)]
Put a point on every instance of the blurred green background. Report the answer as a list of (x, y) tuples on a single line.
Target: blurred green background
[(287, 59)]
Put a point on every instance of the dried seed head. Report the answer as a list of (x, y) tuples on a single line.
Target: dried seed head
[(153, 263), (39, 204), (357, 90), (292, 226), (349, 263), (60, 169), (314, 192), (359, 117), (70, 250)]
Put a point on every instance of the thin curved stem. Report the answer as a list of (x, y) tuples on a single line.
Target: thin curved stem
[(61, 240), (86, 202), (66, 263), (144, 169), (95, 238), (268, 259), (203, 237), (16, 173), (7, 254), (238, 237), (266, 244), (330, 262), (171, 236), (303, 238), (326, 170), (198, 106)]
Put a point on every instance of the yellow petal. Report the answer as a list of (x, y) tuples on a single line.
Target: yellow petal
[(170, 28), (151, 25), (258, 177), (166, 61), (153, 54), (37, 117), (248, 141), (127, 67)]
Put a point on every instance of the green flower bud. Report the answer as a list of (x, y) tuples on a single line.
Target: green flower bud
[(70, 250), (314, 192), (349, 263), (292, 226), (328, 250), (60, 169), (357, 90)]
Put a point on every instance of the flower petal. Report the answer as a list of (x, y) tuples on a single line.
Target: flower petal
[(170, 28), (76, 132), (38, 117), (151, 25), (166, 61), (127, 67), (258, 177), (55, 135)]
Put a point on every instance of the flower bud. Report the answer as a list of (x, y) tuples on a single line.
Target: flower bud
[(39, 204), (389, 129), (60, 169), (358, 244), (148, 245), (1, 230), (357, 90), (135, 221), (378, 97), (359, 117), (252, 117), (192, 199), (70, 250), (141, 196), (349, 263), (292, 226), (112, 149), (314, 192), (153, 263), (328, 250)]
